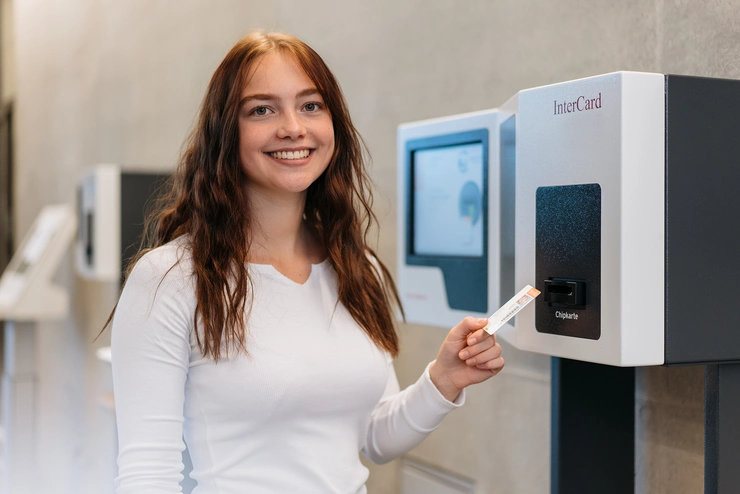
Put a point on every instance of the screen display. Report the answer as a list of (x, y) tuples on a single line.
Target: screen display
[(448, 200)]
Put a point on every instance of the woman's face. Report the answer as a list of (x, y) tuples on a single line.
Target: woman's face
[(286, 135)]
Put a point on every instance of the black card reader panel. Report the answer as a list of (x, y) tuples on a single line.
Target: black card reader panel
[(568, 260)]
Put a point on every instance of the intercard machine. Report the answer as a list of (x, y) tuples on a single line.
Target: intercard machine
[(626, 219), (454, 248)]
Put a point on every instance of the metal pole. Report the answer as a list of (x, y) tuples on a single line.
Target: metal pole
[(722, 429), (593, 428), (19, 408)]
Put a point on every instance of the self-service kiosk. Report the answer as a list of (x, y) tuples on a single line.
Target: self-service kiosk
[(111, 207), (626, 205), (450, 218), (29, 297)]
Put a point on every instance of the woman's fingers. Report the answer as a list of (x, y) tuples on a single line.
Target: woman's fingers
[(477, 343), (478, 336), (494, 365), (481, 352)]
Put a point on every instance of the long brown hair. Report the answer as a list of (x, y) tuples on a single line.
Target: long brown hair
[(208, 201)]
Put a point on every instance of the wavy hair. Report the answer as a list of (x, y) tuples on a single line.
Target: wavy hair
[(207, 201)]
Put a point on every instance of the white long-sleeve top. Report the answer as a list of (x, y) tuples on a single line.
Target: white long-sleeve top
[(290, 416)]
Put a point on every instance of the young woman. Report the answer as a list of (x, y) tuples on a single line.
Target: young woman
[(260, 327)]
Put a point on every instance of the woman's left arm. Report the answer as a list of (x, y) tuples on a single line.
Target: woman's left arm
[(403, 419)]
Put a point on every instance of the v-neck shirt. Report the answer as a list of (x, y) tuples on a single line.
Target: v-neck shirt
[(291, 415)]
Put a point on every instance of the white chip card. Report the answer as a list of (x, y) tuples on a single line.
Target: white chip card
[(510, 308)]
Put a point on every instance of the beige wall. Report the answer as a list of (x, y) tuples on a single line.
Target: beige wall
[(121, 82), (7, 52)]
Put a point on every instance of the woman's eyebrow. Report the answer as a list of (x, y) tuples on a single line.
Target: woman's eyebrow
[(263, 97), (307, 92), (272, 97)]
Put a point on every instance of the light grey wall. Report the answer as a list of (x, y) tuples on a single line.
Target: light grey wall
[(102, 81), (7, 51)]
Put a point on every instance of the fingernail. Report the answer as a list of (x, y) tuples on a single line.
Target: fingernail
[(482, 321), (472, 341), (464, 354)]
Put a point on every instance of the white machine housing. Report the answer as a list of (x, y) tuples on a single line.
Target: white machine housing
[(98, 251), (422, 288), (27, 290), (607, 130)]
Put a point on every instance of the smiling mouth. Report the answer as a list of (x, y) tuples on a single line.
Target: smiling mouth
[(291, 155)]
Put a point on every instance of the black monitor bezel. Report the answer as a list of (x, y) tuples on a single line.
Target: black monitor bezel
[(466, 277)]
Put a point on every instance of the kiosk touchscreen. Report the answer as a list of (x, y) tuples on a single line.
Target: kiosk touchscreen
[(449, 222), (626, 203)]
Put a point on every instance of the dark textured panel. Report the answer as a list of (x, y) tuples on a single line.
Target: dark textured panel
[(702, 230), (568, 246)]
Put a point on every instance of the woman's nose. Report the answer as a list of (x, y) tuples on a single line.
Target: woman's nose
[(291, 126)]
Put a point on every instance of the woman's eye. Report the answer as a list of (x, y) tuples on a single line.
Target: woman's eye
[(311, 106), (260, 111)]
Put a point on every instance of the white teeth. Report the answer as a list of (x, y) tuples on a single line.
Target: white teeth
[(291, 155)]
